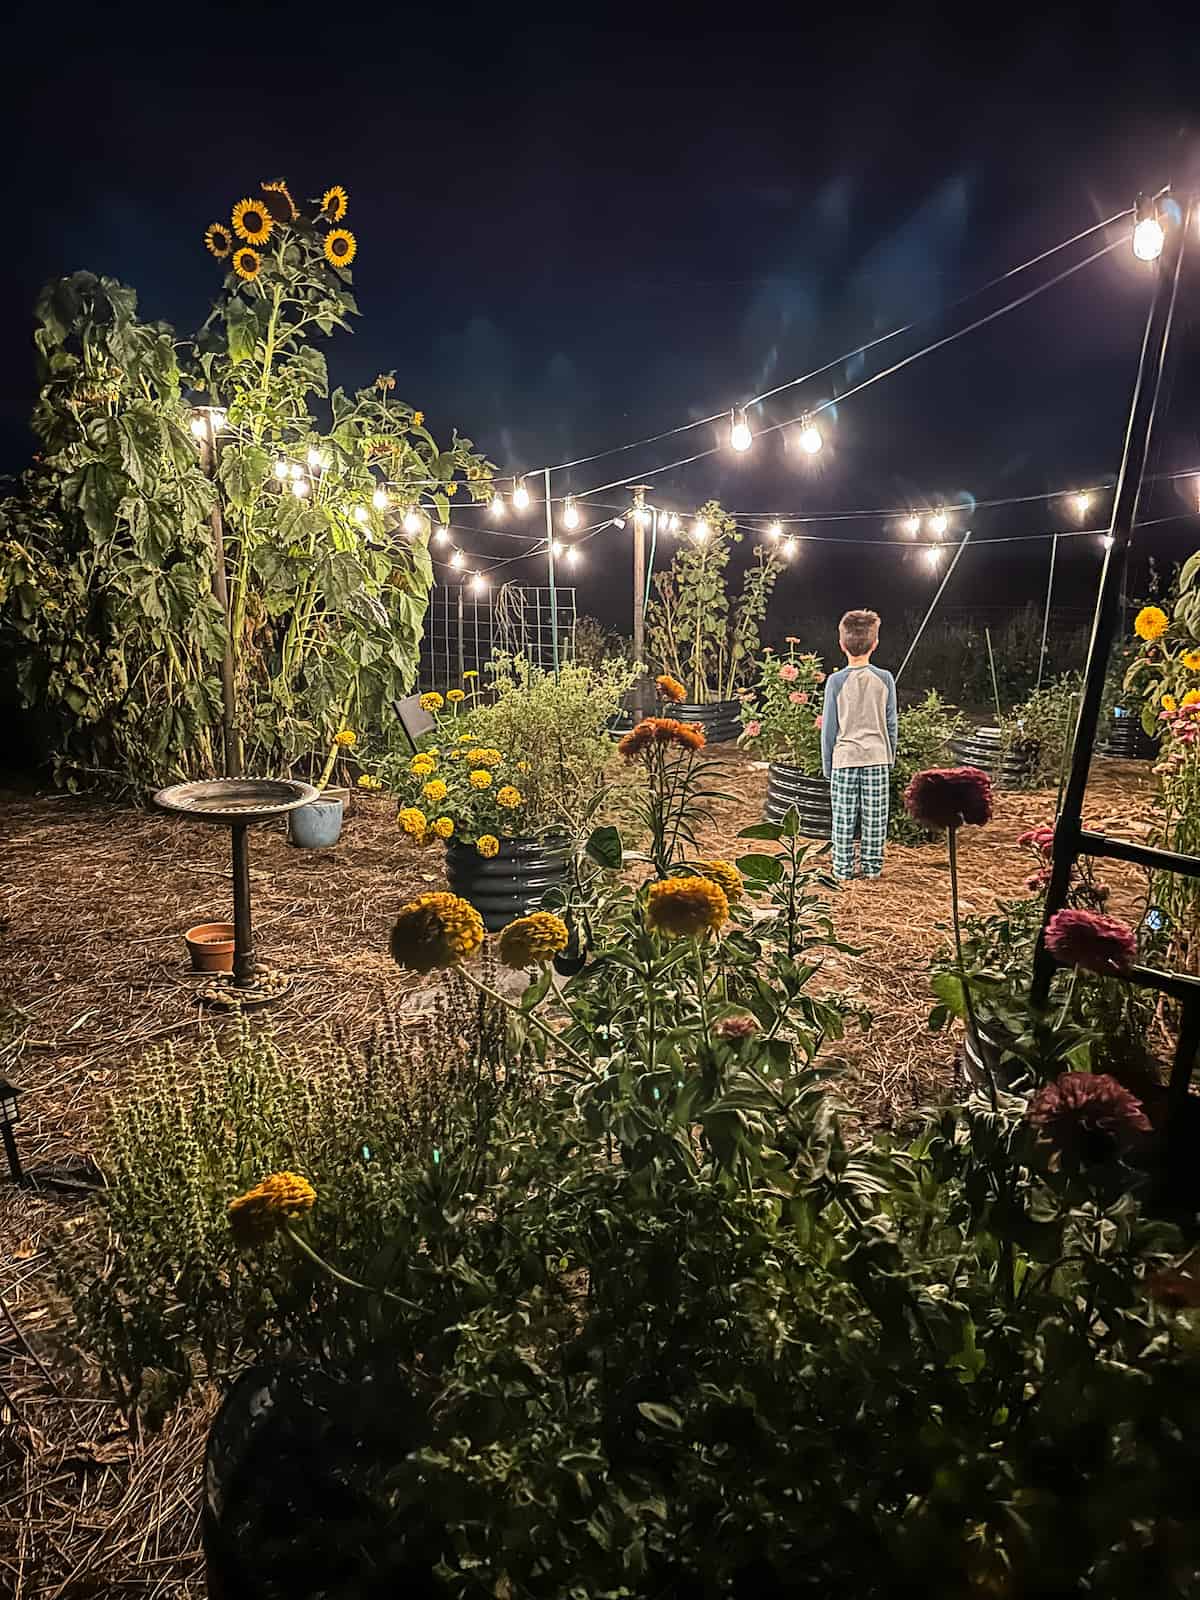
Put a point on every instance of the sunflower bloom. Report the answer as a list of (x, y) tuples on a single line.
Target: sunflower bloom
[(279, 201), (434, 791), (1191, 698), (247, 263), (670, 688), (682, 908), (218, 240), (431, 701), (1151, 623), (346, 739), (531, 940), (480, 778), (261, 1211), (442, 828), (726, 874), (252, 221), (1169, 703), (453, 696), (435, 930), (1191, 660), (334, 203), (411, 821), (340, 247), (418, 417), (488, 845), (508, 797)]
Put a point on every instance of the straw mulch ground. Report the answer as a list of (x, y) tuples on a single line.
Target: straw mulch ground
[(93, 903)]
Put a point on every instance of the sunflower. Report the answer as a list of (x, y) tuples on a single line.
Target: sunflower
[(1151, 623), (279, 201), (247, 263), (725, 874), (685, 907), (488, 845), (435, 930), (1169, 703), (252, 221), (418, 417), (510, 798), (442, 827), (1191, 698), (257, 1214), (431, 701), (340, 247), (218, 240), (411, 821), (481, 778), (334, 203), (530, 940)]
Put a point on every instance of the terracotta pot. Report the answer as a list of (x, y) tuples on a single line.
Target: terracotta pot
[(210, 945)]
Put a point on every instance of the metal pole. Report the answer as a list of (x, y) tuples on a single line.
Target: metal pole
[(987, 635), (1151, 362), (244, 968), (933, 604), (220, 588), (462, 660), (550, 570), (1046, 617), (639, 596)]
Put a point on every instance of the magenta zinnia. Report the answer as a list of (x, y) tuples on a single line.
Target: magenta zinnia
[(1091, 941), (945, 797), (1087, 1116)]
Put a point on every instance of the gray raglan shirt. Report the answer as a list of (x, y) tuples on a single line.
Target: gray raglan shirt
[(858, 723)]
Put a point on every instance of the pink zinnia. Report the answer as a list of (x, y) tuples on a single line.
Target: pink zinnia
[(1037, 881), (1087, 1116), (754, 729), (1040, 838), (818, 721), (789, 674), (797, 698), (1093, 942), (944, 797)]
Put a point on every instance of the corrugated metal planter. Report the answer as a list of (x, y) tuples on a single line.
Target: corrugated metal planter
[(787, 787), (720, 719), (982, 748), (1127, 739), (511, 883)]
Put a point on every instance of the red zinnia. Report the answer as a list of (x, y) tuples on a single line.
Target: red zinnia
[(944, 797), (1091, 941), (1040, 838), (1087, 1116)]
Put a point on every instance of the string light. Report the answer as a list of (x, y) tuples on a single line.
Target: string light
[(315, 460), (520, 497), (1081, 502), (787, 549), (775, 532), (380, 500), (361, 514), (673, 523), (412, 521), (441, 534), (938, 523), (810, 437), (1106, 540), (1148, 235), (700, 531), (572, 557), (570, 514), (199, 427), (479, 583), (295, 470), (912, 525), (933, 558), (556, 548), (498, 507), (300, 487), (740, 437), (281, 470), (456, 560)]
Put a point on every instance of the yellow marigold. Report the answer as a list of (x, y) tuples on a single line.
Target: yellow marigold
[(432, 701), (685, 907), (1191, 698), (508, 797), (434, 791), (488, 845), (1191, 660), (443, 827), (411, 821), (670, 688), (422, 766), (366, 781), (257, 1214), (1169, 703), (523, 766), (725, 874), (466, 738), (530, 940), (346, 738), (453, 696), (435, 930), (1151, 623), (480, 778)]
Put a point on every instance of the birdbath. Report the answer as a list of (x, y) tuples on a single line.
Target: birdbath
[(237, 804)]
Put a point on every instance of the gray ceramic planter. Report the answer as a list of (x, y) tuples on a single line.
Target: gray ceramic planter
[(318, 825)]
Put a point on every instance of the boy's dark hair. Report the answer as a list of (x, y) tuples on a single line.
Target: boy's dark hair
[(858, 632)]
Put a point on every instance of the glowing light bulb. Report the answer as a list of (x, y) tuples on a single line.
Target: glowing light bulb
[(479, 583), (810, 437), (380, 500), (1148, 239), (1081, 502), (740, 437), (570, 514), (521, 496), (700, 530), (199, 427), (787, 549), (933, 557), (412, 521), (361, 514), (775, 532), (938, 523), (300, 487), (441, 534), (1106, 540), (572, 557), (315, 460), (281, 471), (456, 560), (295, 470), (556, 548), (498, 506), (912, 525), (673, 524)]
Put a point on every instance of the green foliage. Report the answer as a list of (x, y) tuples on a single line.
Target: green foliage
[(952, 655), (924, 733), (692, 632), (106, 565), (1036, 735), (780, 720), (595, 644)]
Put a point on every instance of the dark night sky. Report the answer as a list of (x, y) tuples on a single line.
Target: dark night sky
[(574, 233)]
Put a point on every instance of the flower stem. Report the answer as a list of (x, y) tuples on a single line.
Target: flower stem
[(554, 1038), (340, 1277), (968, 1004)]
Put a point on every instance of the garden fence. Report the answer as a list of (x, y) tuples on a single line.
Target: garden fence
[(464, 630)]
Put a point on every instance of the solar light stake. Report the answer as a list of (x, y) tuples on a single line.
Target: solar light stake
[(10, 1115)]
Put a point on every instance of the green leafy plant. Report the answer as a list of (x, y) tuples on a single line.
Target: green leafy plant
[(781, 715), (692, 631), (924, 732), (1036, 735)]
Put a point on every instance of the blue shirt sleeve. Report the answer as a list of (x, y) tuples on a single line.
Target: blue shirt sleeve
[(893, 724), (829, 725)]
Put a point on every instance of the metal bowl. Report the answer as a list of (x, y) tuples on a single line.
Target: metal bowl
[(236, 800)]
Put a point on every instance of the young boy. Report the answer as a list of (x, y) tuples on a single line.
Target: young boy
[(858, 746)]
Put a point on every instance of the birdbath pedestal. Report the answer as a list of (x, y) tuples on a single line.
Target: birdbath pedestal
[(237, 804)]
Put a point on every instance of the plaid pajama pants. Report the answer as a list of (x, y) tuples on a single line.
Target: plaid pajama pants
[(860, 809)]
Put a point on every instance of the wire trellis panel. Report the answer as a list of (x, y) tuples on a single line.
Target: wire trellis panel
[(464, 630)]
